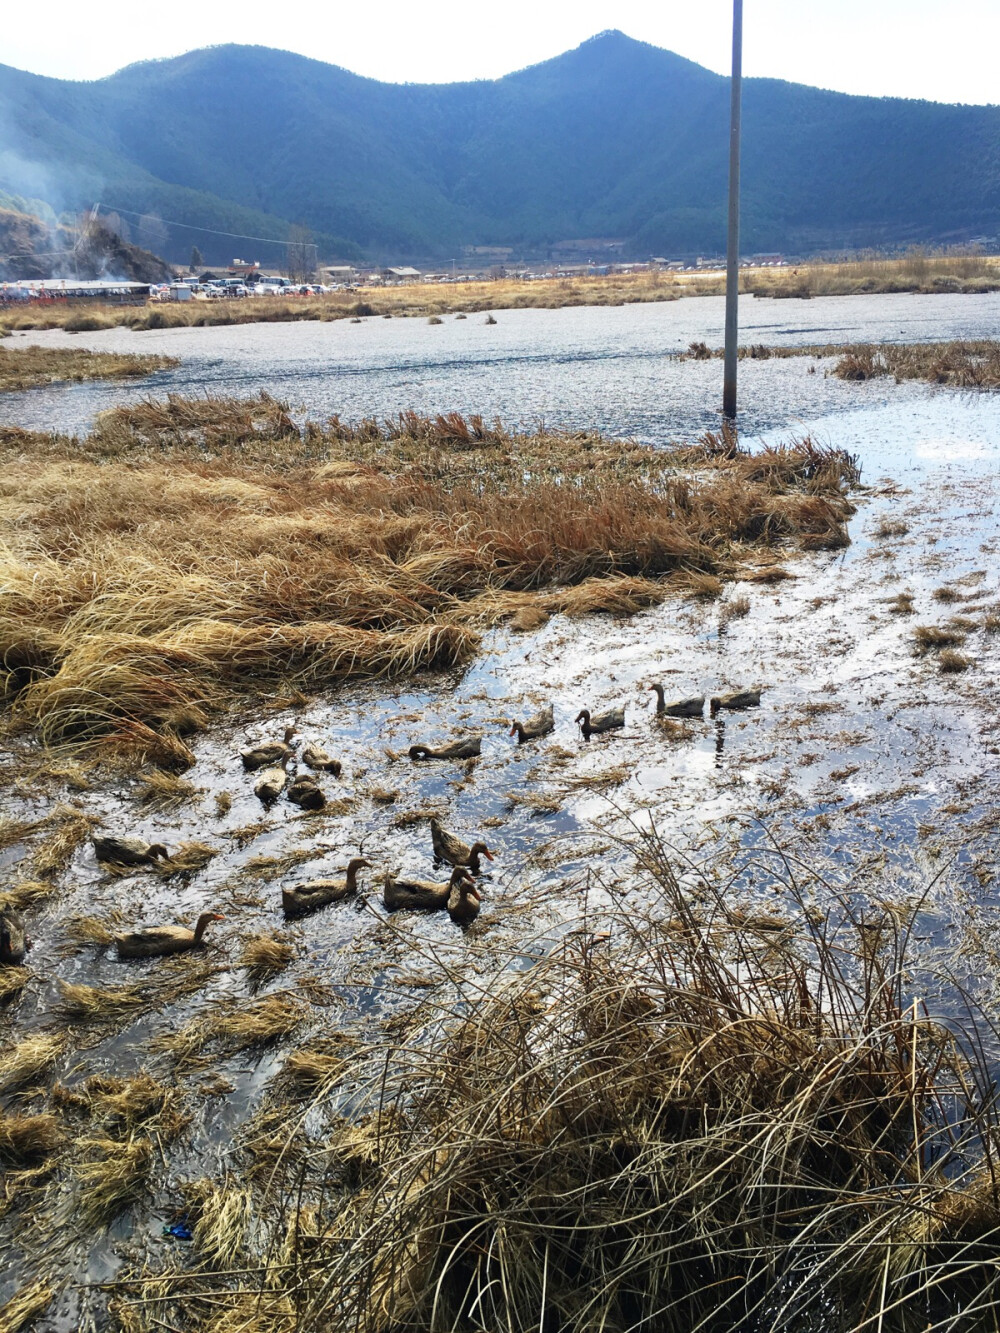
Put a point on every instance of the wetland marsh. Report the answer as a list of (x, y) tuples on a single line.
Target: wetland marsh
[(325, 1106)]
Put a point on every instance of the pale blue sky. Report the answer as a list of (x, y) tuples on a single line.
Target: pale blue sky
[(943, 51)]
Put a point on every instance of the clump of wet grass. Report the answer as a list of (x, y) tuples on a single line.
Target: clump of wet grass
[(162, 791), (947, 594), (235, 1027), (24, 1139), (27, 1305), (29, 367), (13, 980), (734, 608), (891, 527), (113, 1175), (901, 604), (239, 554), (265, 956), (82, 1003), (29, 1059), (186, 859), (315, 1066), (932, 638), (951, 661)]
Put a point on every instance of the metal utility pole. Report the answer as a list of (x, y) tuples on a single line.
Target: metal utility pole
[(733, 243)]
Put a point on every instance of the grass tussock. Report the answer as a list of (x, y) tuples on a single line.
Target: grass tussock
[(113, 1176), (29, 1059), (238, 554), (13, 980), (25, 1307), (951, 661), (663, 1124), (80, 1003), (236, 1027), (29, 367), (932, 638), (25, 1139), (264, 956)]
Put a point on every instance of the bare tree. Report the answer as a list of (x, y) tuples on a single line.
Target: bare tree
[(301, 261)]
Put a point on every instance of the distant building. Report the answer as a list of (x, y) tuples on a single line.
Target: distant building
[(340, 273), (401, 274)]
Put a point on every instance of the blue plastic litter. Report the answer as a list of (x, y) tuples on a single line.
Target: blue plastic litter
[(178, 1231)]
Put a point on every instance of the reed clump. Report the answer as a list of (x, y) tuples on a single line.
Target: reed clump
[(674, 1119), (29, 367), (192, 554)]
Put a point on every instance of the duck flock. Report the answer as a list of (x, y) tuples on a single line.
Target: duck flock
[(460, 895)]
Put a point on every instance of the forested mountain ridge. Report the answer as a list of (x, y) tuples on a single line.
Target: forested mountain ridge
[(614, 139)]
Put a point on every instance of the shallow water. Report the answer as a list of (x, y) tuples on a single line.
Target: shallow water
[(611, 368), (889, 785)]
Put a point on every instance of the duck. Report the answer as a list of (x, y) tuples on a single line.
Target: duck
[(153, 941), (466, 749), (305, 792), (270, 753), (737, 699), (464, 902), (128, 851), (14, 943), (270, 784), (592, 726), (422, 894), (693, 707), (449, 848), (540, 725), (316, 893), (316, 757)]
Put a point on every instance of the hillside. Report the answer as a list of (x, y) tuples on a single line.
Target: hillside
[(614, 139)]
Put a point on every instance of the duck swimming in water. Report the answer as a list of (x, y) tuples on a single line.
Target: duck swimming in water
[(316, 757), (317, 893), (600, 722), (738, 699), (305, 793), (271, 752), (270, 784), (678, 707), (128, 851), (154, 941), (456, 852), (467, 749), (464, 902), (422, 895), (539, 725)]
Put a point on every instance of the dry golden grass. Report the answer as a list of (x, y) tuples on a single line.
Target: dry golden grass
[(913, 273), (236, 553), (26, 1138), (671, 1121), (29, 1059), (25, 1307), (931, 638), (264, 956), (28, 367)]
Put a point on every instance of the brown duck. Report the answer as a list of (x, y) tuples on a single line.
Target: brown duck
[(271, 752), (128, 851), (539, 725), (738, 699), (467, 749), (456, 852), (14, 943), (464, 902), (152, 941), (271, 784), (422, 894), (316, 893), (693, 707), (316, 757), (305, 793), (593, 726)]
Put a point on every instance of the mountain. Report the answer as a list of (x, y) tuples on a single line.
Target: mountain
[(614, 139)]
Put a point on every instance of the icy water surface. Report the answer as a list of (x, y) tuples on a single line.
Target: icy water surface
[(862, 757), (610, 368)]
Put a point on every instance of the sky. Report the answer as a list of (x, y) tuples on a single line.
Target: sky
[(942, 50)]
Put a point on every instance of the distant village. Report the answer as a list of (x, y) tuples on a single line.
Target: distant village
[(246, 278)]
